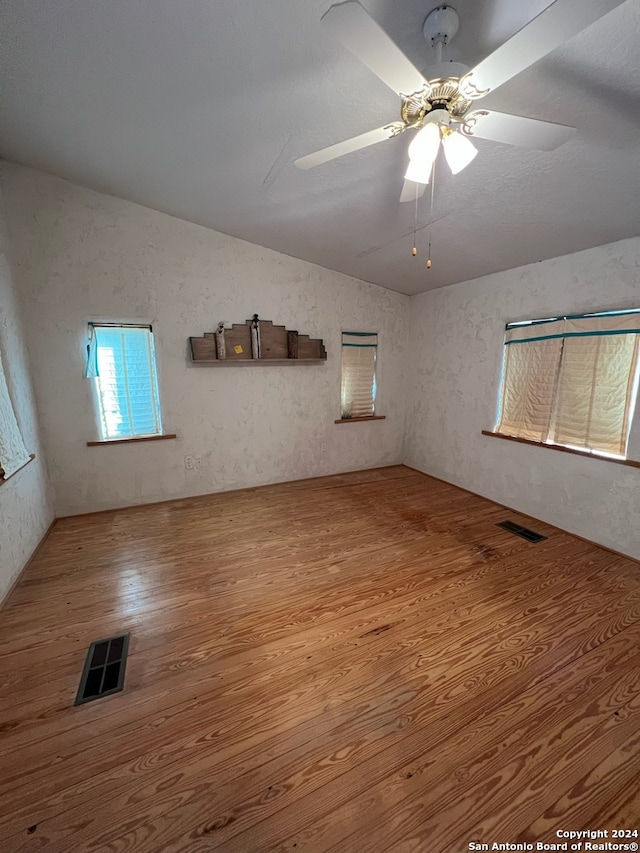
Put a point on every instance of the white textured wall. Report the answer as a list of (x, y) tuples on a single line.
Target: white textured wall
[(83, 255), (26, 505), (457, 336), (80, 255)]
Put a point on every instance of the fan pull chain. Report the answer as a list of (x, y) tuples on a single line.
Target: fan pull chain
[(414, 251), (433, 186)]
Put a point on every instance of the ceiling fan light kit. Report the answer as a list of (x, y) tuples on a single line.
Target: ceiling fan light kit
[(418, 173), (423, 151), (451, 88), (458, 150)]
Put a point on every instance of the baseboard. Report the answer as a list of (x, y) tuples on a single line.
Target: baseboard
[(34, 554), (527, 515)]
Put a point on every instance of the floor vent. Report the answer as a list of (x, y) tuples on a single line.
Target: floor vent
[(104, 668), (522, 532)]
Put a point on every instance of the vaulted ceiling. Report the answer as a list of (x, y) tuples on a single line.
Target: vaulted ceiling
[(199, 108)]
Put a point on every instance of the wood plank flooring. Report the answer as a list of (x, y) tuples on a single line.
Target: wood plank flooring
[(352, 664)]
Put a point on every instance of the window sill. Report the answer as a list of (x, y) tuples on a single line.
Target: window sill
[(630, 462), (131, 440), (4, 479), (359, 420)]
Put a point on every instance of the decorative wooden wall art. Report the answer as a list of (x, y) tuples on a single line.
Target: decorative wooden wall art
[(256, 341)]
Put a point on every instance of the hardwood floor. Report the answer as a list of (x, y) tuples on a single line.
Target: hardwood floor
[(355, 663)]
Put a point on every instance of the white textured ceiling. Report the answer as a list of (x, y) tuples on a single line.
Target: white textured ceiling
[(200, 108)]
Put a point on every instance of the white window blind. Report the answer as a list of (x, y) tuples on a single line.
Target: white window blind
[(358, 391), (13, 453), (126, 381), (572, 380), (595, 389), (528, 389)]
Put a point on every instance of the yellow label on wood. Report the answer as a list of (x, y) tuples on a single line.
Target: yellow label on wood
[(238, 350)]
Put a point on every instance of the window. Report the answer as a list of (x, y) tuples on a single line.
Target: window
[(572, 381), (13, 453), (358, 392), (122, 362)]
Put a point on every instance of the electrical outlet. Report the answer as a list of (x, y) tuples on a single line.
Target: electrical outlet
[(188, 463), (323, 447)]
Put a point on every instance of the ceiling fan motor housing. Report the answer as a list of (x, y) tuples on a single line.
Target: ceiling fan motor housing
[(442, 101), (443, 96), (438, 113)]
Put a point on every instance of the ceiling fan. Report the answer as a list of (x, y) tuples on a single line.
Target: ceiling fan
[(442, 108)]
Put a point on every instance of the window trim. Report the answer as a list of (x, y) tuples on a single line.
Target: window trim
[(155, 437), (374, 414), (4, 479), (360, 418), (590, 454), (629, 324), (134, 324)]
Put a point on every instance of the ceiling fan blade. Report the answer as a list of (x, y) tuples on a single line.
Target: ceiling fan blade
[(409, 191), (349, 145), (515, 130), (350, 24), (559, 22)]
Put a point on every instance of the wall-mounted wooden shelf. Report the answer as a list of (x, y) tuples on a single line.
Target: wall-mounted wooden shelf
[(249, 362), (278, 345)]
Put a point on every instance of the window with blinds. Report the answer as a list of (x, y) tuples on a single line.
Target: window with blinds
[(122, 362), (13, 453), (572, 381), (358, 390)]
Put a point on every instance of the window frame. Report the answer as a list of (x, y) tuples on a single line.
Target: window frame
[(373, 415), (13, 449), (632, 408), (99, 413)]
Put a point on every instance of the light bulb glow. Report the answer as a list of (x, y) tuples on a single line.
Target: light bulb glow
[(423, 151), (424, 145), (458, 150), (418, 173)]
